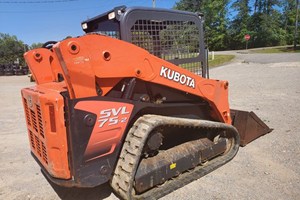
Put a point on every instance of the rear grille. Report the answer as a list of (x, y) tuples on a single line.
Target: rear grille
[(36, 133), (41, 128), (44, 153), (38, 145), (27, 112), (31, 139), (33, 120), (47, 141)]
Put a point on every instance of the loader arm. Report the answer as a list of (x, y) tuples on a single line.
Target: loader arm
[(88, 60)]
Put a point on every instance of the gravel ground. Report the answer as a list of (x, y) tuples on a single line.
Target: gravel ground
[(268, 168)]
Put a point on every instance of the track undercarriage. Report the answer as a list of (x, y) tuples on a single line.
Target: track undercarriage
[(149, 174)]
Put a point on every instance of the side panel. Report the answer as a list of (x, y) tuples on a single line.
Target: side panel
[(109, 126), (96, 129)]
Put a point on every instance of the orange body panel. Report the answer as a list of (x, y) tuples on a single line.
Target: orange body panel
[(92, 56), (112, 118), (43, 106), (39, 62), (45, 67)]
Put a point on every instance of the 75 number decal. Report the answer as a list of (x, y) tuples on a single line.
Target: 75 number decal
[(113, 116)]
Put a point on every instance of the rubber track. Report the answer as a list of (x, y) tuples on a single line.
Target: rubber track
[(123, 178)]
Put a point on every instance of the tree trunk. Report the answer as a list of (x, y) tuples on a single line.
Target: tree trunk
[(296, 25)]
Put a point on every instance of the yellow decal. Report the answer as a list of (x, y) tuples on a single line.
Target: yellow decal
[(173, 165)]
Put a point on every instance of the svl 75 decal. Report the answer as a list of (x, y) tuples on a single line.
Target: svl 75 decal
[(113, 116)]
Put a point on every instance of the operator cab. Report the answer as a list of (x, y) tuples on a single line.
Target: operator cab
[(175, 36)]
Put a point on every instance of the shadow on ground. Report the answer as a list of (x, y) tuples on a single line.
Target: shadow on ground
[(65, 193)]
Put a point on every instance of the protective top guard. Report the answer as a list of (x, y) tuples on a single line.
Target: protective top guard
[(175, 36)]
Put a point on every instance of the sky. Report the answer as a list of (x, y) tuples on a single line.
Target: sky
[(34, 21)]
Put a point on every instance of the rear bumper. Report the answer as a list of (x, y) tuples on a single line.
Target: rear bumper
[(58, 181)]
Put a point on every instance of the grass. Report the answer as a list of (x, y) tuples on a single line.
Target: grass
[(219, 60), (278, 50)]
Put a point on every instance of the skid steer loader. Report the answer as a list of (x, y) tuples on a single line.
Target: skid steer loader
[(131, 103)]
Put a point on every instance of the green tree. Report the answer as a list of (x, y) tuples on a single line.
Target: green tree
[(36, 45), (215, 12), (271, 23), (190, 5), (266, 24), (11, 49), (239, 26), (289, 19)]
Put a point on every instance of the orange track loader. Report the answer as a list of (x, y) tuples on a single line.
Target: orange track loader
[(131, 103)]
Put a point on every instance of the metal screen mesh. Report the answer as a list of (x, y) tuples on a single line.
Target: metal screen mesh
[(107, 27), (194, 67), (113, 34), (169, 40)]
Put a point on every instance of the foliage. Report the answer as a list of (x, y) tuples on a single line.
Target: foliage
[(239, 26), (266, 25), (215, 20), (288, 20), (11, 49), (268, 22), (36, 45)]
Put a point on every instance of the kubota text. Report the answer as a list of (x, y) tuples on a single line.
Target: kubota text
[(177, 77)]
